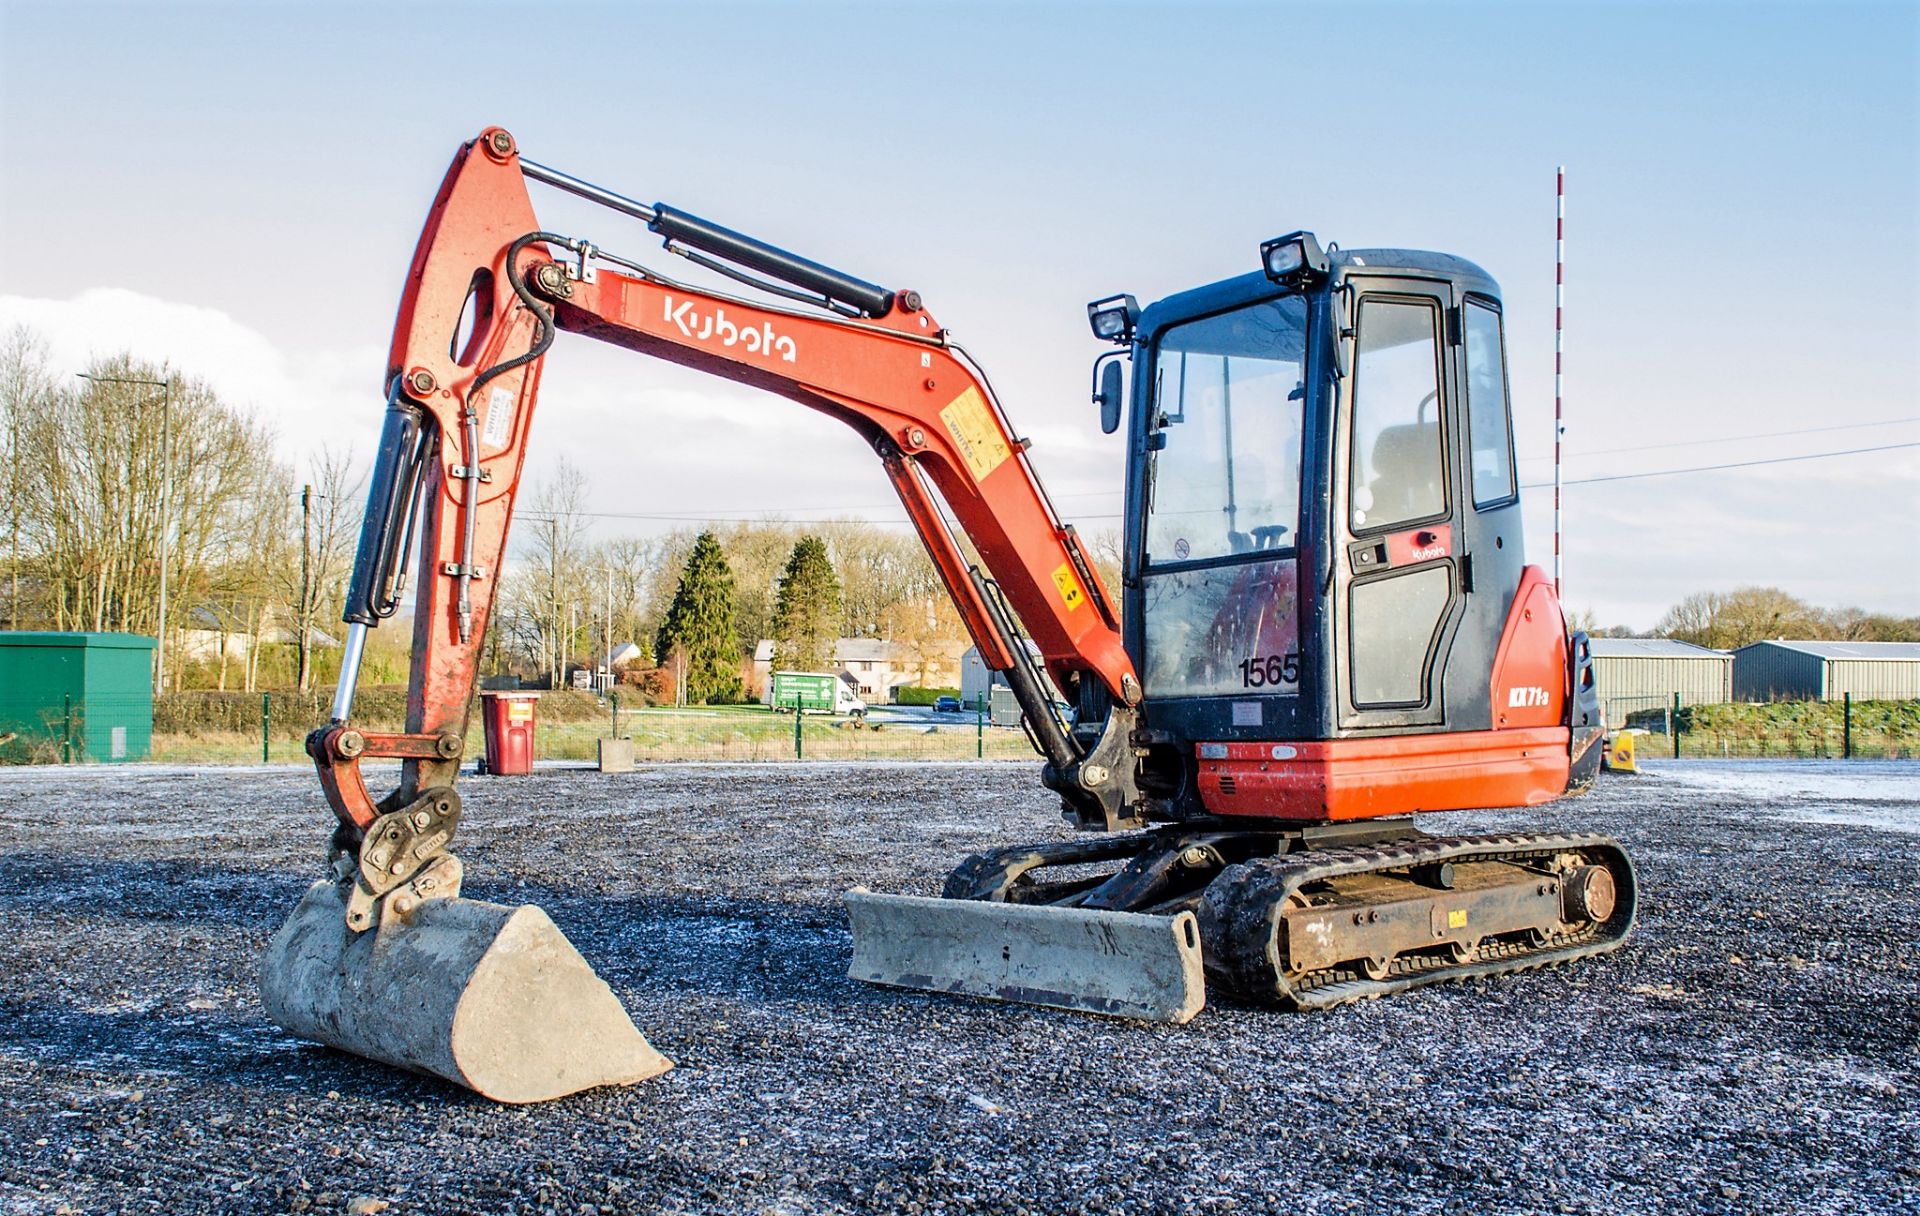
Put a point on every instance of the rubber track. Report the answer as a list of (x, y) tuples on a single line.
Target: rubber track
[(1240, 903)]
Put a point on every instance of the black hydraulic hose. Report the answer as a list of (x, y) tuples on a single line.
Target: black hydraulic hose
[(386, 528), (534, 305)]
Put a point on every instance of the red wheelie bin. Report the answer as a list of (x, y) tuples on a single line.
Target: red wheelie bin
[(507, 720)]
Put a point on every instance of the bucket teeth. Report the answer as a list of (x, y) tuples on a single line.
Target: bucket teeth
[(486, 996)]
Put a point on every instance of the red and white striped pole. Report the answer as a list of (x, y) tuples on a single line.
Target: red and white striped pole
[(1559, 302)]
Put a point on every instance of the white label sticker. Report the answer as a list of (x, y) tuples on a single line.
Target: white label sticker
[(1246, 713), (499, 418), (118, 743)]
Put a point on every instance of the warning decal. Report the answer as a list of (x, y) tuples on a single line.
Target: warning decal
[(1071, 593), (975, 433)]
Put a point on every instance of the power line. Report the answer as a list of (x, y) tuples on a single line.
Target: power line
[(1689, 443), (1737, 464), (774, 515)]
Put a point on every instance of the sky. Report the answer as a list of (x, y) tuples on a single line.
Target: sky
[(236, 190)]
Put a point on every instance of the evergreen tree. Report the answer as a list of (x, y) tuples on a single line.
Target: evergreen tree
[(699, 624), (806, 610)]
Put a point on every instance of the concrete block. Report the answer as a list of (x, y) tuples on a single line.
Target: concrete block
[(616, 755)]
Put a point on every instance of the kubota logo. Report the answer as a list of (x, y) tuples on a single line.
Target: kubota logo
[(714, 327), (1527, 697)]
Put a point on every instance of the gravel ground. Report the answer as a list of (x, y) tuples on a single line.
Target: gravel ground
[(1752, 1049)]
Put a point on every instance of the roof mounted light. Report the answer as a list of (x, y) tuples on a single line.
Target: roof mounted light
[(1293, 258), (1113, 318)]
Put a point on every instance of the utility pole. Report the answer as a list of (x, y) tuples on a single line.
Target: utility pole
[(13, 497), (305, 623), (609, 628), (1559, 305), (166, 505)]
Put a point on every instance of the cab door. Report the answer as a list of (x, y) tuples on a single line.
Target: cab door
[(1397, 570)]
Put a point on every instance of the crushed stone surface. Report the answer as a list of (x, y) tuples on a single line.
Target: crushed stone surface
[(1753, 1048)]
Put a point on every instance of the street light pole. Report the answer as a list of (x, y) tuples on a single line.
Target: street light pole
[(166, 504)]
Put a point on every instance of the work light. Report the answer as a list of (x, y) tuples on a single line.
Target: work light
[(1292, 257), (1113, 318)]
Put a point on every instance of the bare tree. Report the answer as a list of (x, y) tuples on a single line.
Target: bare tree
[(329, 507), (551, 583), (91, 514), (25, 386)]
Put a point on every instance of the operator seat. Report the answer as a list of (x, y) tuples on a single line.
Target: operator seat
[(1406, 473)]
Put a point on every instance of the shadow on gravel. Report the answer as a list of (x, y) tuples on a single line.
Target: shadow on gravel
[(166, 891), (747, 950), (228, 1046)]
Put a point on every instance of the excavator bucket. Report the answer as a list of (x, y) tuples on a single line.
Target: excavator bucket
[(1123, 964), (489, 997)]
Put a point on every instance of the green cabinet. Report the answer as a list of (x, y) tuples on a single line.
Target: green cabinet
[(77, 696)]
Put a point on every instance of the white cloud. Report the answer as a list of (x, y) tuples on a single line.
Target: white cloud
[(305, 399), (658, 440)]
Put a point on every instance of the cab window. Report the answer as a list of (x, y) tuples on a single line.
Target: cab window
[(1398, 466), (1489, 426), (1229, 397)]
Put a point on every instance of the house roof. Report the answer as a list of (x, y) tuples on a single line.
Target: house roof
[(1896, 652), (845, 650), (871, 650), (1650, 648)]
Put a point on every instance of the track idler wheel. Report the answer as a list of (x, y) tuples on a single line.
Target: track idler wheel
[(1588, 894)]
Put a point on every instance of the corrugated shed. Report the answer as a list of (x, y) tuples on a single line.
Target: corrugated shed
[(1880, 652), (1827, 671), (1635, 674)]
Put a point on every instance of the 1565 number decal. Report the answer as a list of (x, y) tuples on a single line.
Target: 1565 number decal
[(1270, 671)]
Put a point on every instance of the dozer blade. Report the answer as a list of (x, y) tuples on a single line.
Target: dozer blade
[(1125, 964), (489, 997)]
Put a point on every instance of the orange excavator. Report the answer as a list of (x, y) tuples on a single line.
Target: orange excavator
[(1325, 627)]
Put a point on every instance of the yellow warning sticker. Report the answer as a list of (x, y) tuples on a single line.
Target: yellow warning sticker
[(1071, 593), (1457, 918), (975, 433)]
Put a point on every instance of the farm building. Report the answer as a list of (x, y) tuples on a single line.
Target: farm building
[(1636, 674), (1827, 671)]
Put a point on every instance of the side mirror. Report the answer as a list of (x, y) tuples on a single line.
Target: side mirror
[(1110, 396)]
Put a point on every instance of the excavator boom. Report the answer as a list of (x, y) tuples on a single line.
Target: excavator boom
[(487, 292)]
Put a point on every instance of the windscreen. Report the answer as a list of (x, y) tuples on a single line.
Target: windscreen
[(1229, 399)]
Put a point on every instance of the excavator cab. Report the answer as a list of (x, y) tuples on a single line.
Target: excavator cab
[(1324, 627), (1323, 526)]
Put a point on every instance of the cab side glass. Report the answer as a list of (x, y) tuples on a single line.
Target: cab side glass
[(1399, 473), (1489, 425)]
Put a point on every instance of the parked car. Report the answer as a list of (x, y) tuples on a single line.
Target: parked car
[(946, 705)]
